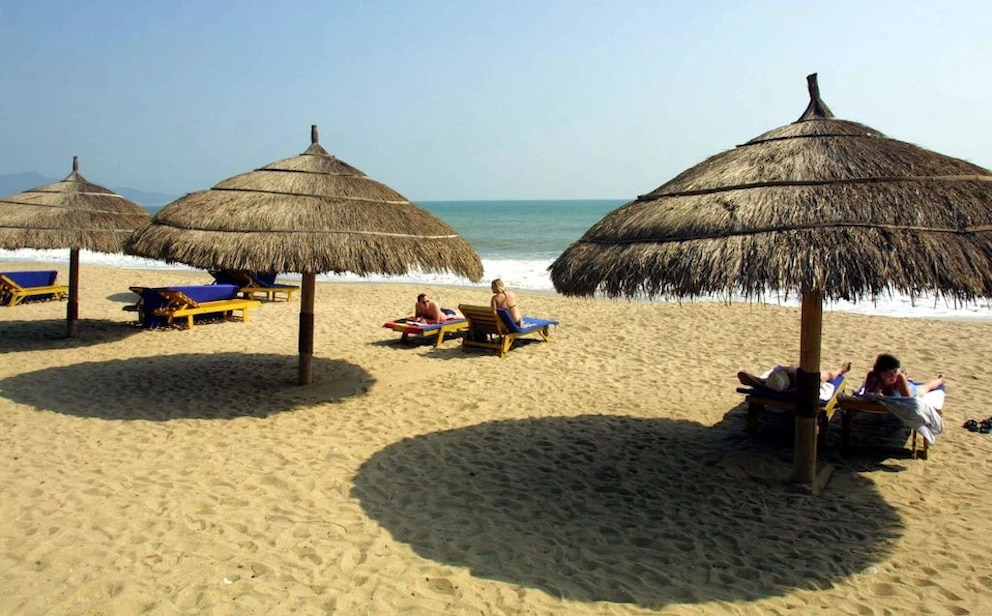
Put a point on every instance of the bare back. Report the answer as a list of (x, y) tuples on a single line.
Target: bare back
[(507, 300)]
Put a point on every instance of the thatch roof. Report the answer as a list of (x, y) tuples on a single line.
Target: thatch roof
[(73, 213), (309, 213), (821, 204)]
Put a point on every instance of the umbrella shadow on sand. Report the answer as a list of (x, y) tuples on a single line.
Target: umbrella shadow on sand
[(649, 512), (50, 334), (184, 386)]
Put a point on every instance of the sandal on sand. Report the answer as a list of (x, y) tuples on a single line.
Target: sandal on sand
[(985, 426), (971, 425)]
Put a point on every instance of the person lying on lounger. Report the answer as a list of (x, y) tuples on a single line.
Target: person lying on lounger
[(784, 378), (427, 311), (888, 378)]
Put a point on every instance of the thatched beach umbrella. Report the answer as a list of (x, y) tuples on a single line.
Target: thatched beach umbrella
[(73, 214), (821, 208), (310, 214)]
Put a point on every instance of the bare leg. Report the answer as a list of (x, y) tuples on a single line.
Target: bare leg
[(829, 375), (931, 385)]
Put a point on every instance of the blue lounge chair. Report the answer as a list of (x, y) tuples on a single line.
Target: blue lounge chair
[(158, 307), (764, 403), (255, 283), (36, 285), (496, 329)]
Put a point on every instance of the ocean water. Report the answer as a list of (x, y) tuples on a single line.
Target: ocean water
[(518, 240)]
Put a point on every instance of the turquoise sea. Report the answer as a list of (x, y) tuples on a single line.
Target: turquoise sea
[(517, 241)]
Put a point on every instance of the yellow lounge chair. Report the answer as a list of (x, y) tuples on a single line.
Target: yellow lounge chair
[(16, 287), (255, 283), (767, 403), (412, 328), (495, 329), (178, 304)]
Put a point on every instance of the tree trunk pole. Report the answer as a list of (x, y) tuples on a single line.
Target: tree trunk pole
[(306, 329), (72, 308), (808, 394)]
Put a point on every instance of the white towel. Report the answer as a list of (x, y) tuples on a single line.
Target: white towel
[(919, 414)]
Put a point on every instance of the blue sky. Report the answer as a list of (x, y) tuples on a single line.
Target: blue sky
[(441, 100)]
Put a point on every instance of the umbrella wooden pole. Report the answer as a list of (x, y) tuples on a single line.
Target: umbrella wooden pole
[(807, 402), (72, 309), (306, 329)]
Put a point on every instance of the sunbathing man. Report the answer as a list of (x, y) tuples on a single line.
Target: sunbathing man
[(783, 378), (427, 311)]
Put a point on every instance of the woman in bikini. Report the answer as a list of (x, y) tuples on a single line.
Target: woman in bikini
[(887, 378), (505, 299)]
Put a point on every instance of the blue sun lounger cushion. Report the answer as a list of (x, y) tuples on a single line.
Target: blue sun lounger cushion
[(495, 329), (152, 300)]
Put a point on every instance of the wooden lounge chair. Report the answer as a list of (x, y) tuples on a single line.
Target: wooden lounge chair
[(18, 287), (495, 329), (852, 404), (765, 403), (412, 328), (255, 283), (178, 304)]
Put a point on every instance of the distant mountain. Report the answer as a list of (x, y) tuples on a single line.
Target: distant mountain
[(19, 182)]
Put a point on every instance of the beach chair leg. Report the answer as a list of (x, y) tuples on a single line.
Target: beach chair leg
[(753, 414), (924, 452), (822, 431)]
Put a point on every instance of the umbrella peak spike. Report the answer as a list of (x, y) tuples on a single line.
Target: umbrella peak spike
[(313, 134), (817, 109), (75, 164)]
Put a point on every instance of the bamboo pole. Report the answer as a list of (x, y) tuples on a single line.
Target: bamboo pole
[(72, 308), (807, 402), (306, 329)]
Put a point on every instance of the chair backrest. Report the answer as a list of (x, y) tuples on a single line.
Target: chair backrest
[(28, 279), (263, 279), (482, 319), (236, 277), (508, 322)]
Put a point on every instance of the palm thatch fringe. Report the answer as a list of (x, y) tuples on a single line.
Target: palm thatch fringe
[(820, 204), (73, 213)]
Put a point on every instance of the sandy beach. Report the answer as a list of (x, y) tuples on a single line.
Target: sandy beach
[(606, 472)]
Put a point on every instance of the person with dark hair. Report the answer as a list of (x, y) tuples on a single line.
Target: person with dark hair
[(427, 311), (888, 378)]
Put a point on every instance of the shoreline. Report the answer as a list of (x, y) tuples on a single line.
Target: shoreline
[(866, 307)]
